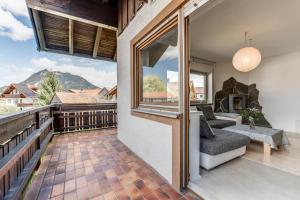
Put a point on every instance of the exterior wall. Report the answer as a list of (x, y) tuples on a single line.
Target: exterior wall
[(152, 141)]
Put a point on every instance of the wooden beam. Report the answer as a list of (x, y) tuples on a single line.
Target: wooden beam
[(115, 54), (71, 36), (79, 13), (39, 29), (97, 41)]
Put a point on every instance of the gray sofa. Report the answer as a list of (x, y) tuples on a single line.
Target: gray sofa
[(216, 120), (220, 123), (223, 146), (224, 141)]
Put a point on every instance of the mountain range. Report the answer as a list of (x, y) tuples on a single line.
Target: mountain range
[(67, 80)]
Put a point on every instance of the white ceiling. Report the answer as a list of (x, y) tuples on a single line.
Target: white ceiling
[(274, 25)]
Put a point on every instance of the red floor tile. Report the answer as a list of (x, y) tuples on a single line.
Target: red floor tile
[(96, 165)]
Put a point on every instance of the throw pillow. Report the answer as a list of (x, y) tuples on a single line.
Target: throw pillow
[(208, 113), (205, 129)]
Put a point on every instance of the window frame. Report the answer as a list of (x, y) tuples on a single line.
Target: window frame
[(205, 86), (146, 41)]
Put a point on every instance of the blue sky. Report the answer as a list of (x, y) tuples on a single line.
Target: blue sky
[(19, 57)]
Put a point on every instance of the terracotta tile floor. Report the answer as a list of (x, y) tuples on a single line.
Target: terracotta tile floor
[(96, 165)]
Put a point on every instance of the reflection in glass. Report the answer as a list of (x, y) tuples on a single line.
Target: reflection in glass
[(198, 87), (160, 69)]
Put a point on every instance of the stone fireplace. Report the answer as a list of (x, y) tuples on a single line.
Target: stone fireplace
[(236, 96), (237, 103)]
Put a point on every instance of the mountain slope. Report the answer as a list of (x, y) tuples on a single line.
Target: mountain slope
[(67, 80)]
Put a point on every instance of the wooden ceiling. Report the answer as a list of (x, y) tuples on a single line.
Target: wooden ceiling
[(87, 28), (82, 28)]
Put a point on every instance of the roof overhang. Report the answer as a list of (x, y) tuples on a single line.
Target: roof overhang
[(75, 27)]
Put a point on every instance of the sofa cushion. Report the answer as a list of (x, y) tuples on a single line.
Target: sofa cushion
[(208, 113), (223, 142), (205, 129), (221, 123)]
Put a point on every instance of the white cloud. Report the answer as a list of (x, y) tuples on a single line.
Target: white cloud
[(170, 53), (97, 77), (11, 27), (65, 59), (16, 7), (172, 76), (43, 62), (14, 74), (197, 80)]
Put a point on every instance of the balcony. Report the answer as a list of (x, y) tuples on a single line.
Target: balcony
[(75, 154)]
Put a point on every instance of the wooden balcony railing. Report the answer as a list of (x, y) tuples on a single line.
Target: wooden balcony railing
[(70, 118), (23, 138)]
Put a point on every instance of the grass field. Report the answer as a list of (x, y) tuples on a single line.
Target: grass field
[(7, 109)]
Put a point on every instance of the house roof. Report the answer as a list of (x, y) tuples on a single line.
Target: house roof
[(24, 90), (77, 98), (95, 91), (103, 92), (155, 95), (199, 90), (112, 91)]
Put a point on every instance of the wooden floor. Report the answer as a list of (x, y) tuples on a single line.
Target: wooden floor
[(284, 159), (254, 176), (242, 179), (96, 165)]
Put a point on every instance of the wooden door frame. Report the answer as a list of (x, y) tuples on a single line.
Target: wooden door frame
[(186, 55)]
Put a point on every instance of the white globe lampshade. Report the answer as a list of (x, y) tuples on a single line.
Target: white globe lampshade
[(246, 59)]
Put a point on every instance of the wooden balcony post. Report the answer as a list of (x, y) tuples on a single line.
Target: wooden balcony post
[(37, 126), (51, 116), (37, 120)]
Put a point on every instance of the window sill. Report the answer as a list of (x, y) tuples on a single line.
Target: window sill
[(167, 114)]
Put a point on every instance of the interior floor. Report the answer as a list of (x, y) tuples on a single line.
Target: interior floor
[(287, 159), (247, 180)]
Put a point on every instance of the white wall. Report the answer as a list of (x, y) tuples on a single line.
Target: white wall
[(278, 80), (152, 141), (223, 71)]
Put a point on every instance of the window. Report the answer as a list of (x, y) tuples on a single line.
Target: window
[(198, 87), (156, 72), (159, 69)]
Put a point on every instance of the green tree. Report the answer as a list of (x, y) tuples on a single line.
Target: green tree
[(47, 89), (153, 84)]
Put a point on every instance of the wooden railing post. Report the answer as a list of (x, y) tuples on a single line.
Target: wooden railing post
[(51, 116), (37, 120), (20, 153), (37, 126)]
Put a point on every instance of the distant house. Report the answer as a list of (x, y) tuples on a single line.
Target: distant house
[(19, 95), (112, 93), (102, 92), (77, 98), (196, 93)]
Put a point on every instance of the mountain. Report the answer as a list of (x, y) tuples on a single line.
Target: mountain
[(67, 80), (2, 89)]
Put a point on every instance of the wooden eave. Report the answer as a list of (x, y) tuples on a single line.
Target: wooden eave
[(82, 28), (13, 96), (112, 91)]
